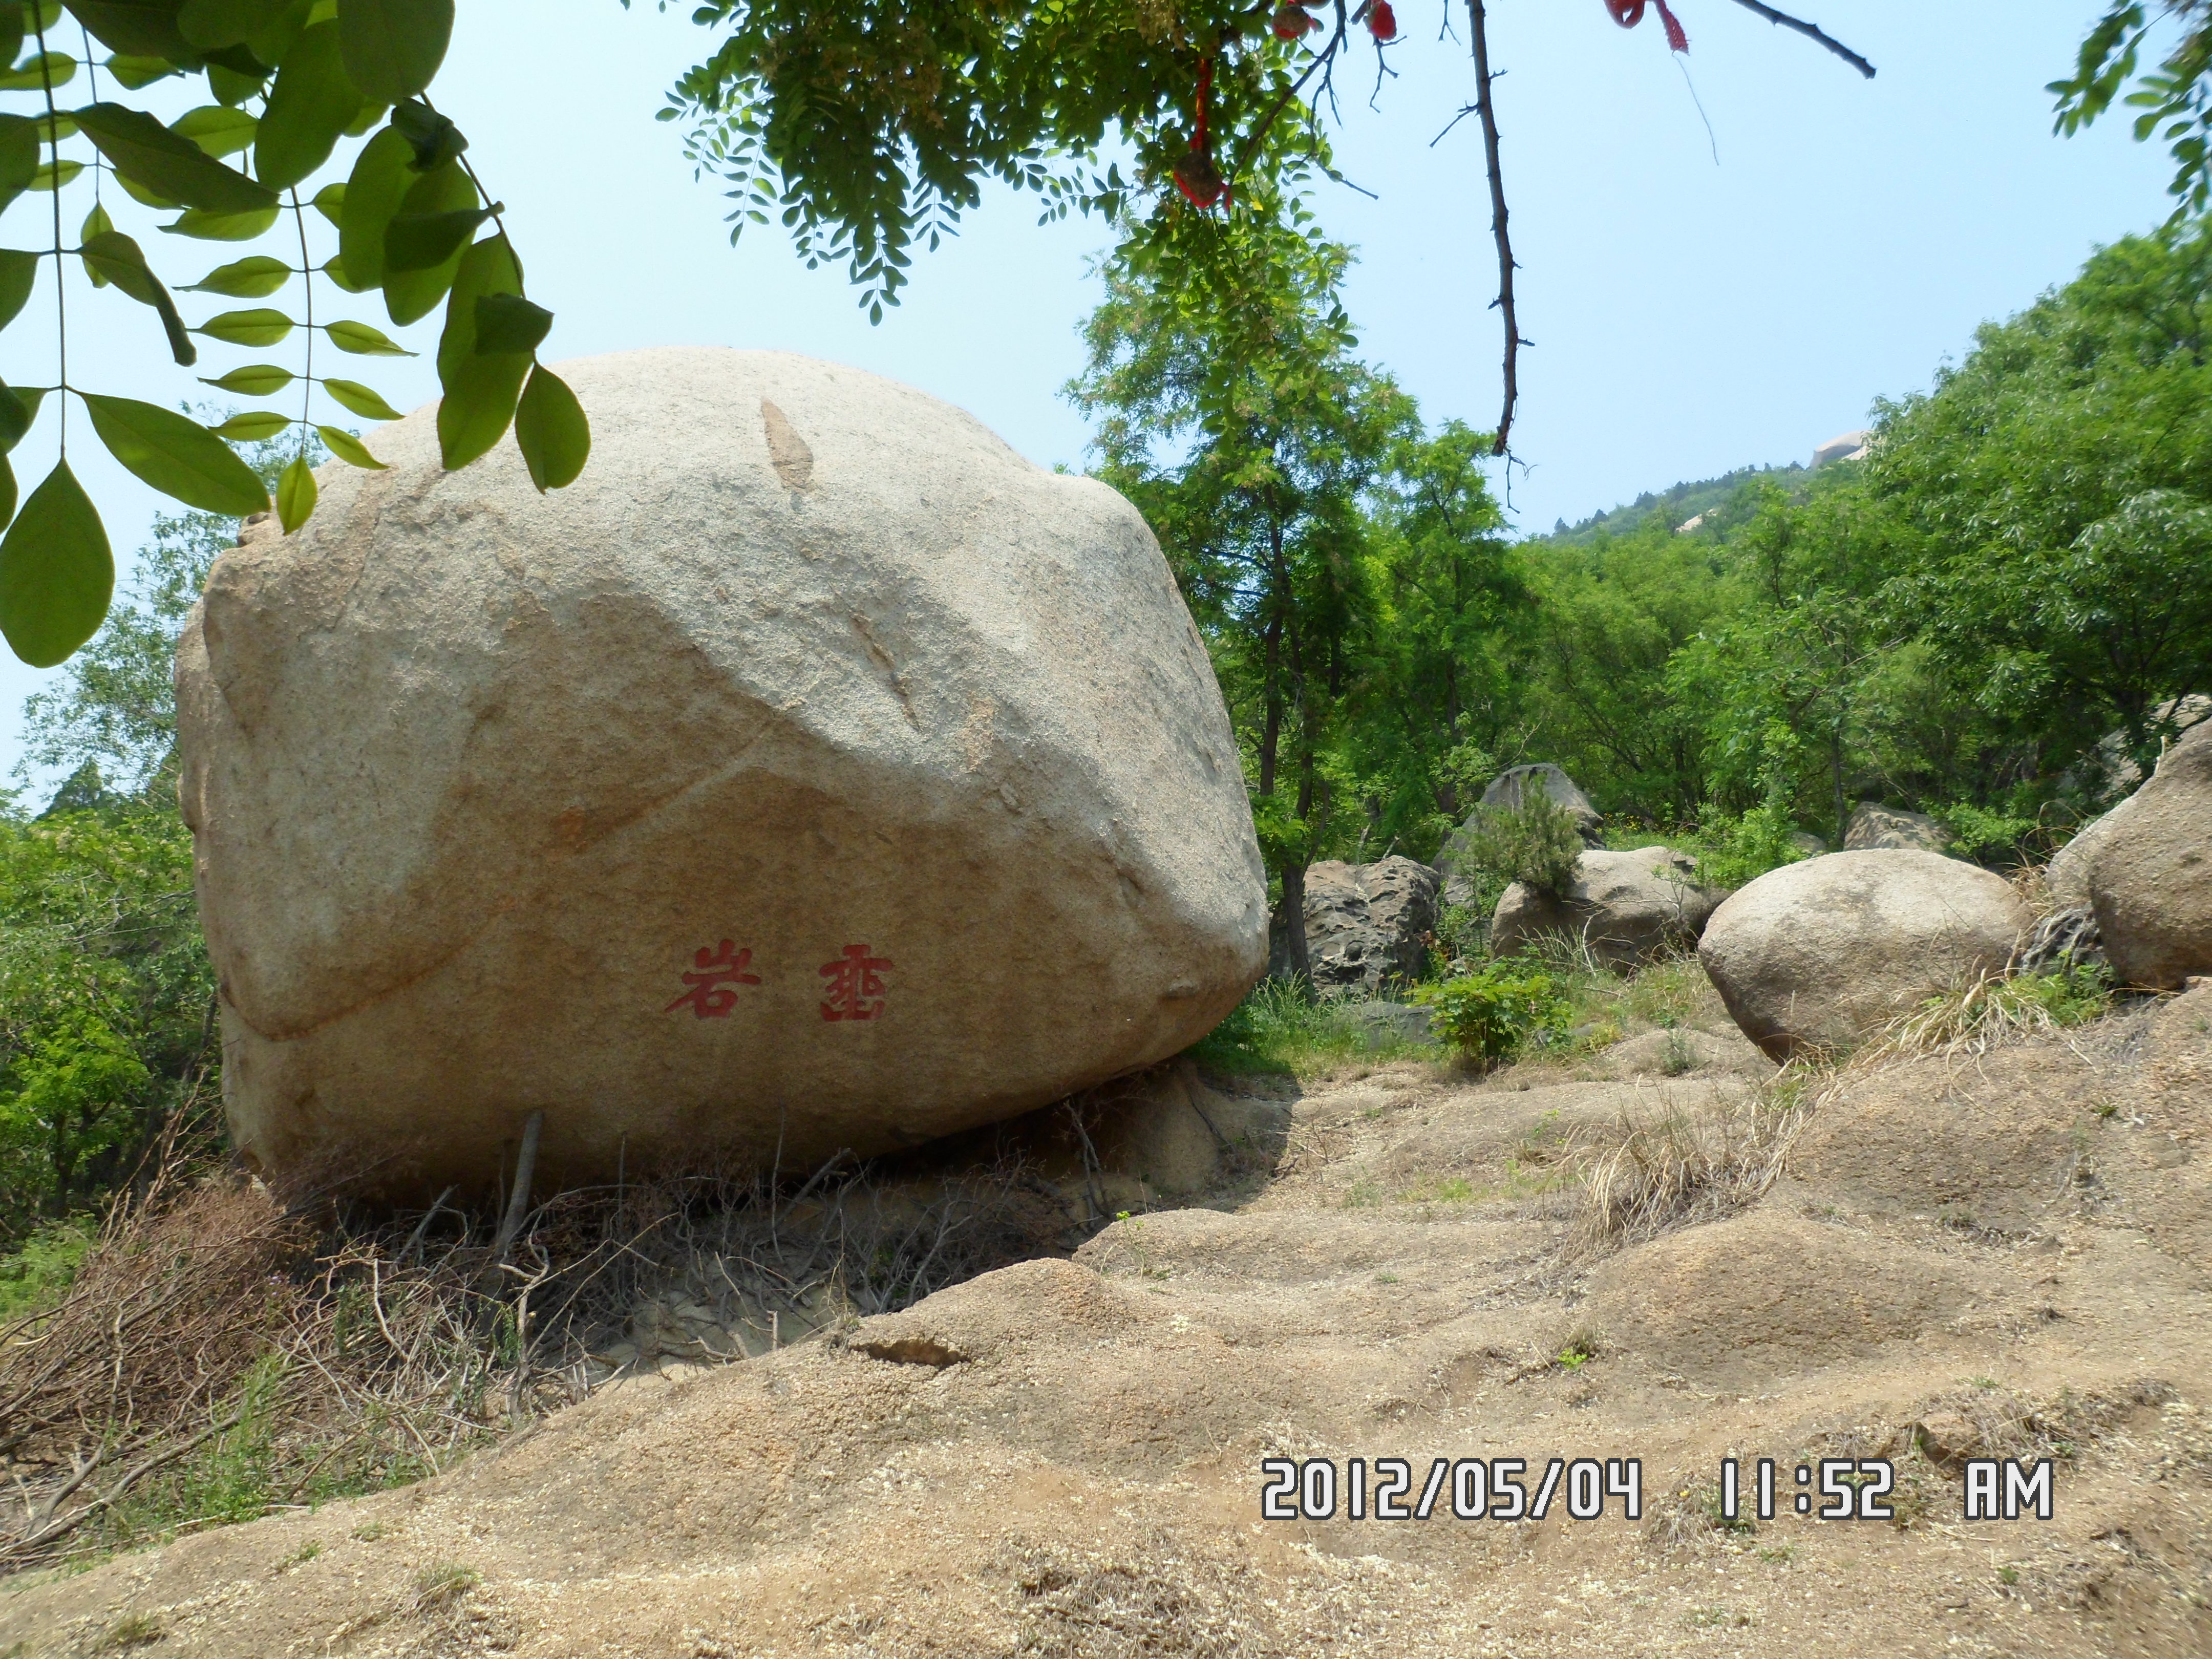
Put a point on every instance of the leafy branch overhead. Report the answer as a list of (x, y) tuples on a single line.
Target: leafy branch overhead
[(868, 128), (213, 120)]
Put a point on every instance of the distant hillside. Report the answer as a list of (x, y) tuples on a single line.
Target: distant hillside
[(1683, 502)]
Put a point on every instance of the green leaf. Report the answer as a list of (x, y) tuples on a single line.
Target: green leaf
[(480, 389), (11, 33), (254, 381), (232, 88), (137, 28), (335, 269), (7, 490), (20, 155), (311, 104), (412, 294), (349, 449), (19, 274), (423, 242), (227, 22), (132, 73), (382, 174), (360, 400), (508, 322), (57, 574), (435, 138), (393, 47), (251, 278), (330, 201), (31, 75), (259, 327), (550, 426), (138, 193), (56, 175), (116, 257), (295, 494), (216, 129), (252, 426), (94, 222), (223, 227), (177, 456), (365, 342), (18, 407), (139, 148)]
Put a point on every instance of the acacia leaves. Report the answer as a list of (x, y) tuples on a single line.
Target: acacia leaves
[(172, 166), (57, 571), (286, 84), (393, 47), (177, 456)]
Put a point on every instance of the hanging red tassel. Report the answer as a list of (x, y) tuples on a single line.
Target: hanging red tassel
[(1677, 40), (1196, 175), (1629, 13)]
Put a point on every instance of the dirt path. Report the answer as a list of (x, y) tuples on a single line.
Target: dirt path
[(2003, 1257)]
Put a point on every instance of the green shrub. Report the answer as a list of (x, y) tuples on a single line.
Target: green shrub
[(38, 1274), (1535, 843), (1984, 835), (1494, 1012), (1733, 848)]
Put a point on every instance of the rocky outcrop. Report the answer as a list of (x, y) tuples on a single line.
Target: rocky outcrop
[(1367, 925), (1506, 792), (1875, 826), (1822, 954), (1628, 907), (2150, 871), (815, 773)]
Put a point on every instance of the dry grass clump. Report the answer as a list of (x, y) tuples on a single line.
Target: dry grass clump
[(1992, 1010), (1676, 1167), (226, 1349)]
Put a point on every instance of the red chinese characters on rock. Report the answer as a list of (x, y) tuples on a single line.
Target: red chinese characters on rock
[(712, 994), (856, 985)]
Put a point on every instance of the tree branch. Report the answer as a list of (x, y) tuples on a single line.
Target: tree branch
[(1487, 112), (1811, 32)]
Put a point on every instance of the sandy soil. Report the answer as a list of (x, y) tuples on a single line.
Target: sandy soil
[(2003, 1255)]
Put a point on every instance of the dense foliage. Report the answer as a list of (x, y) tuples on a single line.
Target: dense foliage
[(107, 1000), (1997, 618)]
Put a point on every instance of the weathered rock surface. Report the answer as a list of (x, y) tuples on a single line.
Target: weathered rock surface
[(816, 772), (1506, 792), (2150, 871), (1367, 925), (2110, 770), (1628, 907), (1874, 826), (1824, 953)]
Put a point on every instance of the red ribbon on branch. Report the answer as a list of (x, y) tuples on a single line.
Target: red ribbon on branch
[(1629, 13), (1195, 174)]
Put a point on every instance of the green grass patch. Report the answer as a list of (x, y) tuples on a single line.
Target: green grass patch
[(40, 1273), (1282, 1027)]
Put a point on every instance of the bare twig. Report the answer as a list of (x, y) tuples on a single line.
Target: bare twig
[(1486, 109), (1811, 32), (517, 1202)]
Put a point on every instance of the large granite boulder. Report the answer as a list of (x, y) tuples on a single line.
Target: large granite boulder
[(2150, 870), (815, 773), (1628, 907), (1824, 953), (1875, 826), (1367, 925), (1506, 792)]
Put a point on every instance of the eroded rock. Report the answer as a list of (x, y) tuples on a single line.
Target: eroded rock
[(1628, 907)]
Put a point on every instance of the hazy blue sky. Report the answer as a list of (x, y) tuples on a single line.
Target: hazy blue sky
[(1687, 317)]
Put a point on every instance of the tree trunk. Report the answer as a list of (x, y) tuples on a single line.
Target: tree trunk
[(1293, 920)]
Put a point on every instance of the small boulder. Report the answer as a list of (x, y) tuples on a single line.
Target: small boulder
[(2150, 874), (1506, 793), (2067, 875), (1367, 925), (1824, 953), (1628, 907), (1875, 826)]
